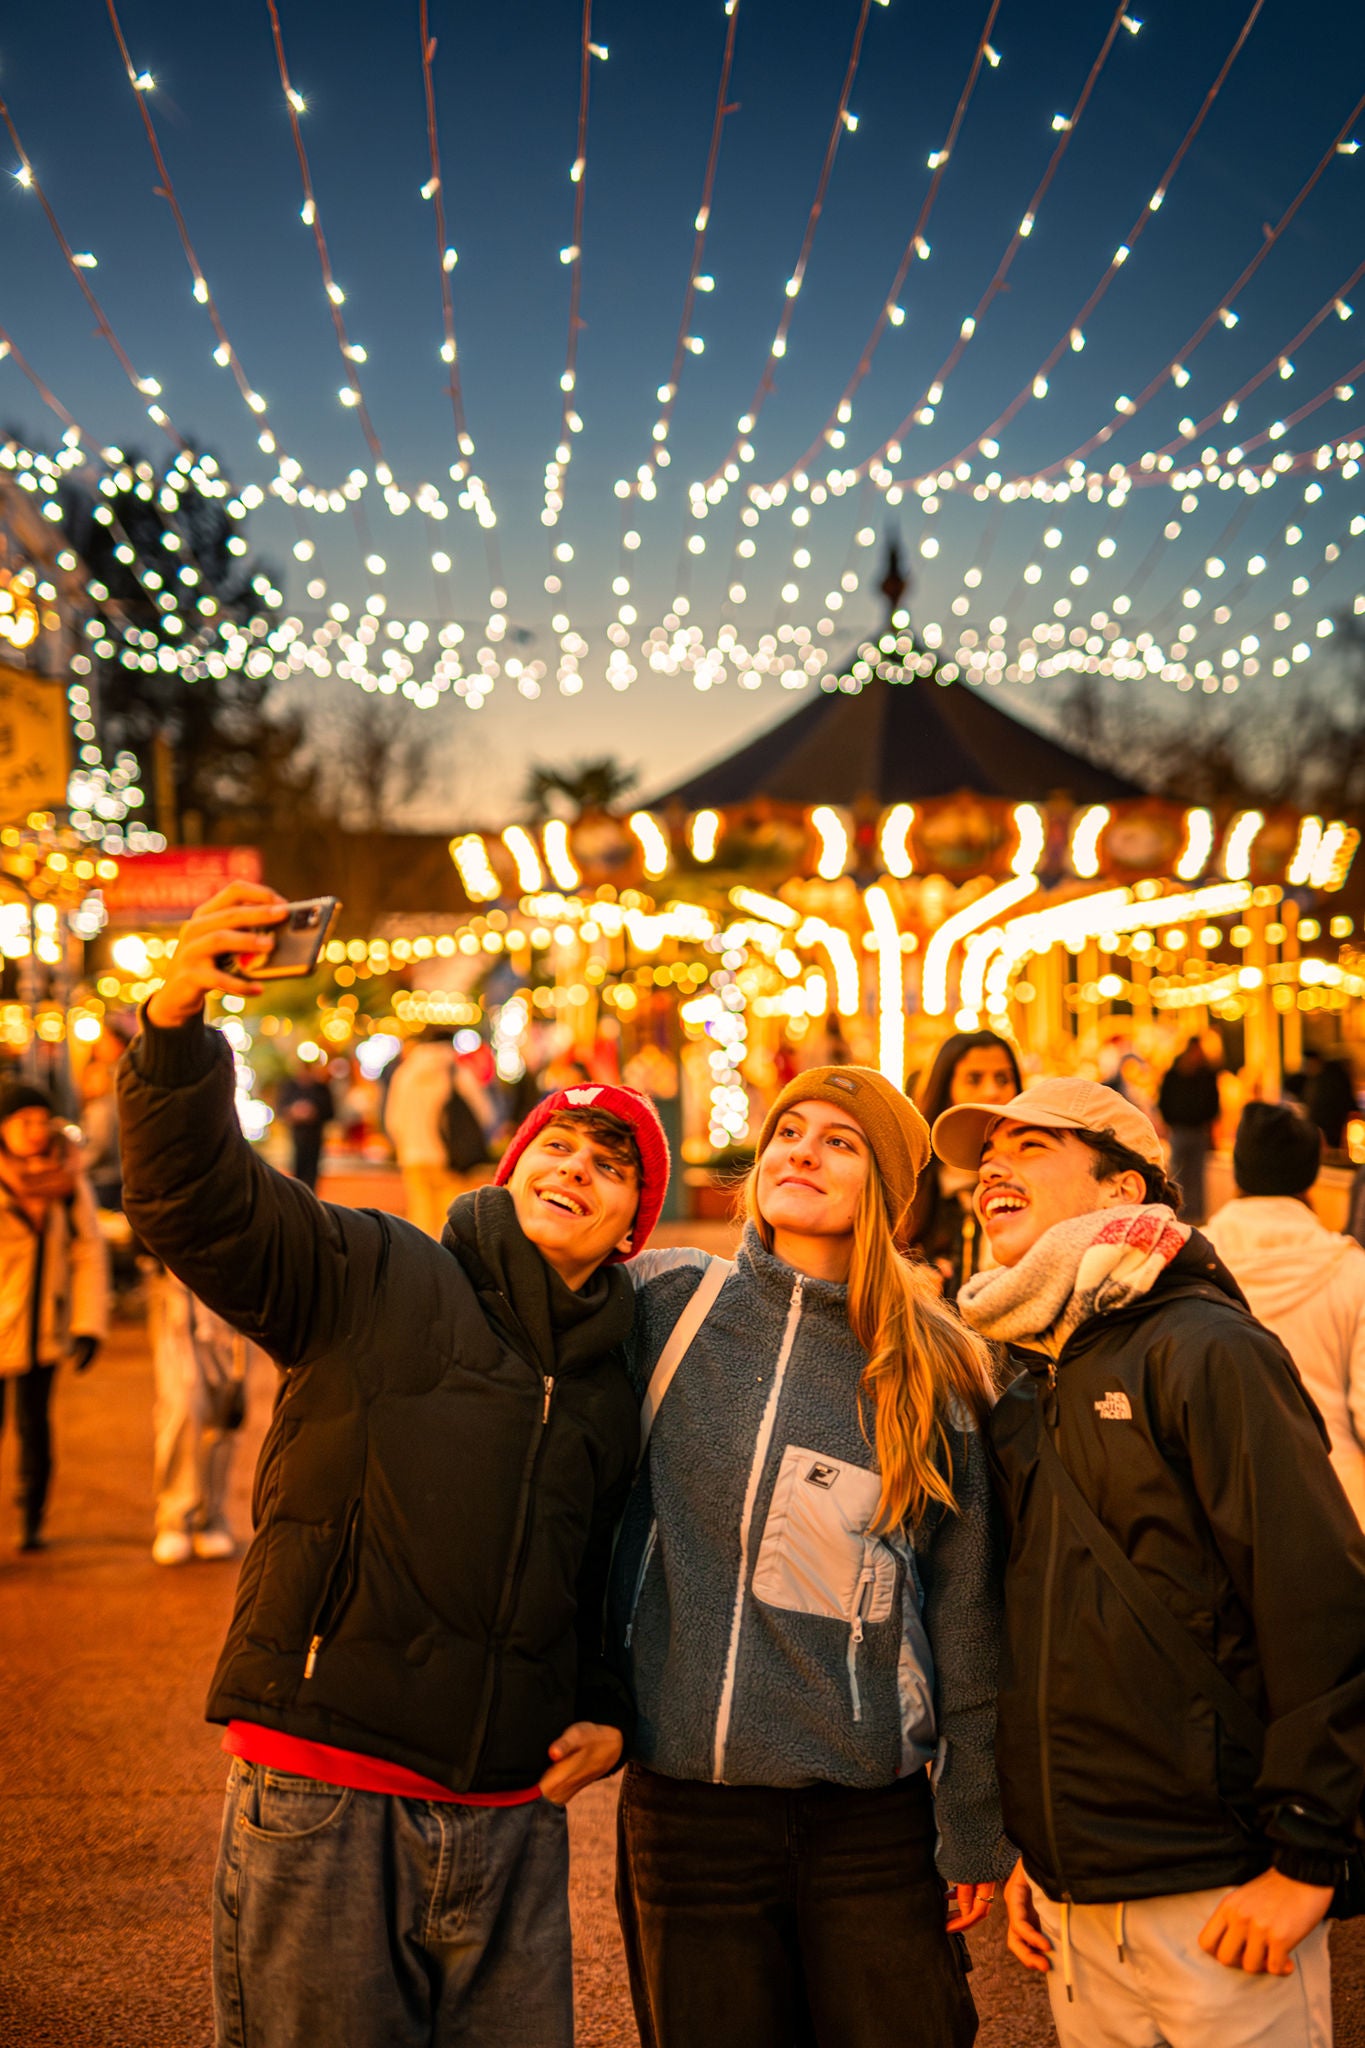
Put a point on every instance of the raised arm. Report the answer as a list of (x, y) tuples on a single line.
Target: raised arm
[(294, 1274)]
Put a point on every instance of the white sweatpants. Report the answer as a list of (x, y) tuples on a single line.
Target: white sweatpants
[(192, 1353), (1139, 1979)]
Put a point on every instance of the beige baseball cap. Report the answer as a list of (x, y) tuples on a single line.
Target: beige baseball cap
[(959, 1135)]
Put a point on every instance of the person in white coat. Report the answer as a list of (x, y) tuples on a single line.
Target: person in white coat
[(54, 1281), (423, 1082), (1301, 1280), (200, 1364)]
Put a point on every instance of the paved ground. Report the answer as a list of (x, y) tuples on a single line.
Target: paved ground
[(110, 1782)]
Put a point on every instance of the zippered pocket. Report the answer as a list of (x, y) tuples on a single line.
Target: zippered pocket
[(340, 1585), (645, 1562), (816, 1555), (862, 1601)]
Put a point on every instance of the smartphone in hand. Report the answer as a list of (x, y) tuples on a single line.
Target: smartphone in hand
[(295, 945)]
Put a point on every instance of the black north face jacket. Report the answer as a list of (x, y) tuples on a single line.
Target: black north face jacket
[(434, 1504), (1185, 1426)]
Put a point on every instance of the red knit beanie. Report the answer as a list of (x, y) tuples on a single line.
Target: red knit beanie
[(633, 1109)]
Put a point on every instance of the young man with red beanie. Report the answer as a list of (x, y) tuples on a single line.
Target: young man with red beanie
[(413, 1680)]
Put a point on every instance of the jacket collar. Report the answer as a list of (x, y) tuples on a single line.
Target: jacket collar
[(555, 1328), (775, 1280)]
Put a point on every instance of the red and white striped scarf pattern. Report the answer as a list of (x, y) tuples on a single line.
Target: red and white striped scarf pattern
[(1085, 1266)]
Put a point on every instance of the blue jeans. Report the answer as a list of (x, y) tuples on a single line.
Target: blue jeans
[(347, 1919)]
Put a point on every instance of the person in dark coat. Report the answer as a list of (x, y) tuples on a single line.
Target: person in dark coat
[(1190, 1107), (1181, 1722), (969, 1066), (305, 1103), (414, 1680), (1329, 1097)]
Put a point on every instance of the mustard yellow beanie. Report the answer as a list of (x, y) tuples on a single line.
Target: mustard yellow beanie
[(894, 1128)]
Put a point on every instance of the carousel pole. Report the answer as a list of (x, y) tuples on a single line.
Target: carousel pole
[(1197, 958), (1261, 1072), (1291, 1017), (1090, 968), (1047, 1014), (1140, 977)]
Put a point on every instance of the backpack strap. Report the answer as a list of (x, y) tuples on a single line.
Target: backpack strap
[(1195, 1666), (679, 1342)]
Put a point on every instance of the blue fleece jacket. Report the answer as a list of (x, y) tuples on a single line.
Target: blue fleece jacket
[(771, 1638)]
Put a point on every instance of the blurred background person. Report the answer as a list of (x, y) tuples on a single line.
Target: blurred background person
[(1303, 1281), (54, 1281), (200, 1365), (306, 1104), (1123, 1069), (436, 1117), (1327, 1091), (1189, 1106), (971, 1066)]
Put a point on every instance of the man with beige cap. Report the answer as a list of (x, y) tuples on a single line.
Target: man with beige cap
[(1181, 1732)]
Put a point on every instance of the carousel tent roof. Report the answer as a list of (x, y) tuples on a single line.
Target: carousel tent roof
[(898, 743)]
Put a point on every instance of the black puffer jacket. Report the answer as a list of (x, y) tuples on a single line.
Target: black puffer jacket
[(436, 1496), (1184, 1424)]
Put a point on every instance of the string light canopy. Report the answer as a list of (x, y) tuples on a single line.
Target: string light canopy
[(1048, 624)]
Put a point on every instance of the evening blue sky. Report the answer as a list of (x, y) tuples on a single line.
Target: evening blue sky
[(507, 83)]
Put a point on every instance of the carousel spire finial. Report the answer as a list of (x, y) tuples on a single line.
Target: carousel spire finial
[(897, 581)]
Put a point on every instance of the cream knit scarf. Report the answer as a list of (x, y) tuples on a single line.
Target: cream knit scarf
[(1086, 1266)]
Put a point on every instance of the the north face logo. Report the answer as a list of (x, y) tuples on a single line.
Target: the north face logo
[(581, 1095), (822, 1475), (1114, 1408)]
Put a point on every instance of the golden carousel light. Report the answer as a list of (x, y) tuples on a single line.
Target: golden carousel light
[(522, 847), (1085, 840), (890, 985), (1333, 859), (558, 857), (477, 878), (20, 619), (894, 841), (703, 835), (1305, 854), (816, 931), (653, 842), (1239, 842), (833, 834), (769, 908), (938, 952), (1029, 824), (1194, 855)]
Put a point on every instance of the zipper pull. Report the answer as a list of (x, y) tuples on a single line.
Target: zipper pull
[(857, 1628), (549, 1390), (1052, 1376), (311, 1665)]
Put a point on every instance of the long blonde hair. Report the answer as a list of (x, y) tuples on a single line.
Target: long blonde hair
[(927, 1375)]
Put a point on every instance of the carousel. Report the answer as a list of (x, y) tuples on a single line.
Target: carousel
[(896, 859)]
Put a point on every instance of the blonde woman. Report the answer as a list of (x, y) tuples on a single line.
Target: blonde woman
[(806, 1593)]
